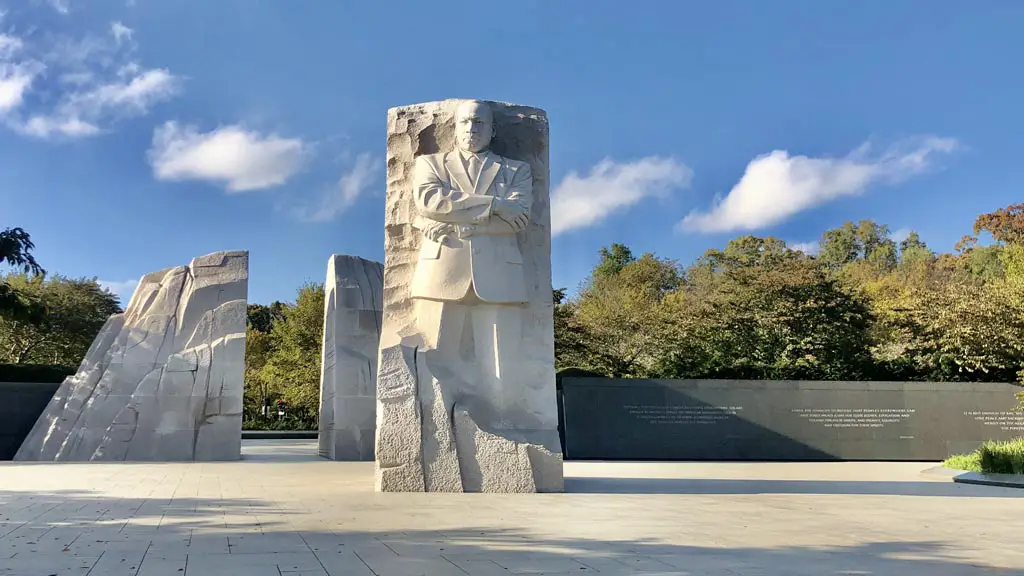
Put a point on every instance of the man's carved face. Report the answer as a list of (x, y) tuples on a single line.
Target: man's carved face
[(474, 126)]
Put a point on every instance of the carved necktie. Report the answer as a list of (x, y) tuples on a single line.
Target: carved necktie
[(474, 170)]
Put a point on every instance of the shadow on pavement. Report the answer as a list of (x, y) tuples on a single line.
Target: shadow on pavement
[(80, 532)]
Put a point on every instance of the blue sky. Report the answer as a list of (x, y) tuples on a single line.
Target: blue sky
[(138, 134)]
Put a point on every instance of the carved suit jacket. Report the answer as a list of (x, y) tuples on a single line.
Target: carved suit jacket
[(487, 259)]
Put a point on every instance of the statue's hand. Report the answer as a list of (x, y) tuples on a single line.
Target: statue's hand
[(512, 212), (437, 231)]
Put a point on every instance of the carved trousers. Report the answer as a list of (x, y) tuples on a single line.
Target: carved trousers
[(491, 350)]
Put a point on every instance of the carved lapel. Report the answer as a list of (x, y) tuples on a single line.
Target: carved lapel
[(488, 173), (457, 171)]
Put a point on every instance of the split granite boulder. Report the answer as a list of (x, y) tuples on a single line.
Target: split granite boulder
[(163, 380)]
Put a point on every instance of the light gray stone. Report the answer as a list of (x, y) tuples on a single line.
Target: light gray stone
[(163, 380), (466, 387), (353, 300)]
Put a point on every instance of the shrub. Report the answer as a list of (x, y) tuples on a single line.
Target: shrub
[(967, 462), (286, 423), (1002, 457), (992, 457)]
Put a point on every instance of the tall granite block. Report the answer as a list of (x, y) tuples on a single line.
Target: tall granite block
[(353, 295), (466, 381), (163, 380)]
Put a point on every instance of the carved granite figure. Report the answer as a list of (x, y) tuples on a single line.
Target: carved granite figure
[(162, 381), (471, 203), (353, 296), (466, 381)]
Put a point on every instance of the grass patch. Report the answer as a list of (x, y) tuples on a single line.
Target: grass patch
[(992, 457), (966, 462)]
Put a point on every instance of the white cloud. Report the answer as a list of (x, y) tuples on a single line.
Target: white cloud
[(123, 289), (80, 113), (350, 187), (809, 248), (136, 95), (582, 201), (776, 186), (242, 160), (16, 73), (15, 81), (45, 126), (85, 84), (121, 32)]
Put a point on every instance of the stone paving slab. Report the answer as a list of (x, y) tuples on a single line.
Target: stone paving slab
[(984, 479), (282, 511)]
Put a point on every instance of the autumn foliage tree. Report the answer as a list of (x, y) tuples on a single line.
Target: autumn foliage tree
[(866, 307)]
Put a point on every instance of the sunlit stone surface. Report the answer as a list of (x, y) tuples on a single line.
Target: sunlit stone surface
[(353, 294), (466, 383), (163, 380)]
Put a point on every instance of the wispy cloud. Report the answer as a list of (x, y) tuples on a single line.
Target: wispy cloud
[(610, 187), (85, 84), (61, 6), (776, 186), (239, 159), (121, 32), (352, 184), (17, 73), (900, 234)]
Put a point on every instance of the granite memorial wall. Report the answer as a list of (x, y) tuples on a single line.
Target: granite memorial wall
[(614, 419), (21, 403)]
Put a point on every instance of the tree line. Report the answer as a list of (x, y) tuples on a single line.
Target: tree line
[(46, 319), (864, 307)]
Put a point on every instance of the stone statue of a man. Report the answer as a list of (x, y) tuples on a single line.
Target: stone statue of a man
[(470, 205)]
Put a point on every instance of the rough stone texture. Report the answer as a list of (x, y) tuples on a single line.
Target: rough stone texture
[(162, 381), (353, 295), (433, 434)]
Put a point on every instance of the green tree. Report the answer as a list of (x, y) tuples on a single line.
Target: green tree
[(572, 343), (260, 389), (913, 249), (16, 251), (262, 318), (293, 366), (621, 320), (865, 241), (748, 251), (839, 246), (75, 310), (878, 248), (613, 259), (776, 317), (974, 262), (972, 332)]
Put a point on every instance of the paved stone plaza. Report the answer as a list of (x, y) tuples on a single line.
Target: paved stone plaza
[(282, 511)]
